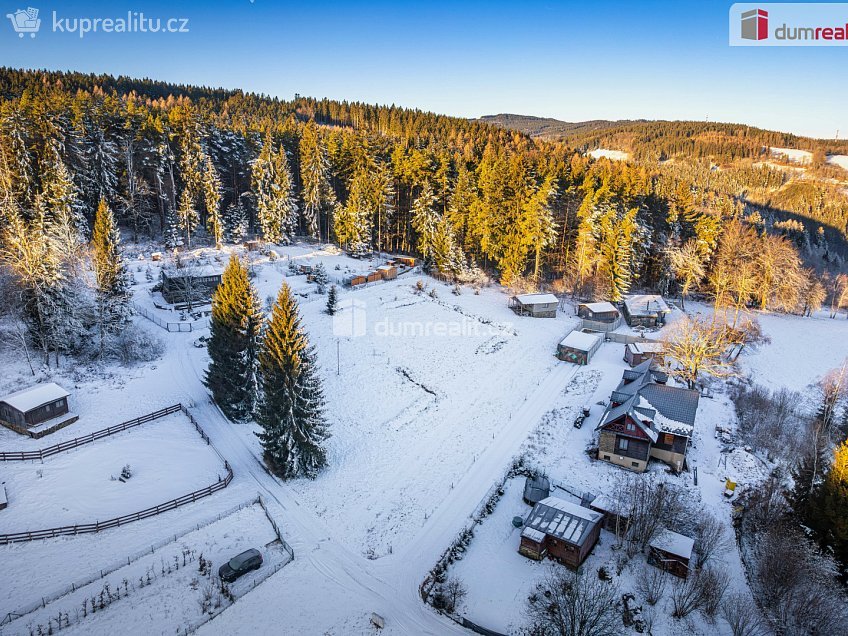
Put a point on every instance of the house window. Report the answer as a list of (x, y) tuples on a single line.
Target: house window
[(606, 457), (636, 464), (631, 426), (668, 439), (622, 444)]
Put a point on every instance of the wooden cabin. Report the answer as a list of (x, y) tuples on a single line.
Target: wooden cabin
[(535, 305), (645, 310), (599, 316), (579, 347), (635, 353), (560, 530), (36, 411), (357, 280), (190, 284), (408, 261), (253, 245), (671, 552), (387, 272), (373, 277)]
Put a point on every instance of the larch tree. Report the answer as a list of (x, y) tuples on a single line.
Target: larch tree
[(316, 192), (687, 262), (291, 412), (233, 343), (273, 188), (111, 278), (212, 201)]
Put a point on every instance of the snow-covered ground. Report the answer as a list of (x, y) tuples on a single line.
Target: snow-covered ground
[(167, 459), (430, 396), (838, 160), (793, 155), (615, 155), (163, 590)]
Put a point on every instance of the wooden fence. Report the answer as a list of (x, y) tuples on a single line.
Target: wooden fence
[(173, 327), (88, 528), (16, 456)]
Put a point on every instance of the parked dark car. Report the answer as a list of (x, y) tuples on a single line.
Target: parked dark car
[(240, 565)]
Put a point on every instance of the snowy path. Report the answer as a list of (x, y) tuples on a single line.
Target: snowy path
[(390, 584)]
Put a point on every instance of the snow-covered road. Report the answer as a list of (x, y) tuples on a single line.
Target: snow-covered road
[(388, 585)]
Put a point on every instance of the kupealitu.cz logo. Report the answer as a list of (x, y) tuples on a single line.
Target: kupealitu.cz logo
[(789, 24), (27, 21)]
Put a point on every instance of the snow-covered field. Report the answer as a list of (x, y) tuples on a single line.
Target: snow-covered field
[(167, 459), (793, 155), (615, 155), (430, 396), (838, 160), (163, 590)]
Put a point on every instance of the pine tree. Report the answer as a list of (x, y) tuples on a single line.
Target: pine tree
[(291, 412), (235, 222), (332, 300), (273, 187), (315, 179), (113, 294), (319, 275), (233, 343), (425, 221), (212, 201)]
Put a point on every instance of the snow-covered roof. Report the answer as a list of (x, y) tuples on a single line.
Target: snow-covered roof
[(602, 502), (193, 270), (580, 341), (28, 399), (646, 305), (673, 543), (561, 519), (600, 308), (645, 347), (533, 534), (385, 268), (536, 299)]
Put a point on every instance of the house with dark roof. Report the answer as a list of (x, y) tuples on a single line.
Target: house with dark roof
[(560, 530), (646, 419), (645, 310), (37, 410)]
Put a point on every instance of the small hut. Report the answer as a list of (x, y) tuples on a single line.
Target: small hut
[(407, 261), (192, 284), (36, 411), (388, 272), (535, 305), (614, 519), (356, 280), (560, 530), (645, 310), (373, 277), (536, 488), (635, 353), (579, 347), (599, 316), (671, 552)]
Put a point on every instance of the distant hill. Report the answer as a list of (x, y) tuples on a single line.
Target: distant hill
[(658, 140)]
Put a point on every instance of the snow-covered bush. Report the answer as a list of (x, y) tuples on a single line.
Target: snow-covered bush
[(134, 344)]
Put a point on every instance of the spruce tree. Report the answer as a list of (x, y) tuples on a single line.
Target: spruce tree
[(212, 201), (827, 511), (332, 300), (276, 209), (233, 343), (113, 295), (425, 221), (235, 222), (291, 411), (319, 275), (315, 179)]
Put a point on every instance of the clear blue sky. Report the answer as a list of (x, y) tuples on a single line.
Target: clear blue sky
[(569, 60)]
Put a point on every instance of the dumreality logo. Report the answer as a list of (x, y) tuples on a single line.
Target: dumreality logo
[(755, 24)]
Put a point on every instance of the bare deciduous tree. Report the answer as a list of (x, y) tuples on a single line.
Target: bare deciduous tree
[(566, 604), (695, 347), (701, 590), (651, 584), (710, 538), (687, 262), (743, 616)]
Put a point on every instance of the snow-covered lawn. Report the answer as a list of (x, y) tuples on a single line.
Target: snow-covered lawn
[(793, 155), (615, 155), (838, 160), (167, 458), (163, 590)]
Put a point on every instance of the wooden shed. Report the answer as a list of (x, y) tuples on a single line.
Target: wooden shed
[(36, 411), (408, 261), (614, 520), (603, 312), (357, 280), (560, 530), (192, 284), (671, 552), (536, 305), (388, 272), (373, 277), (635, 353), (645, 310), (579, 347)]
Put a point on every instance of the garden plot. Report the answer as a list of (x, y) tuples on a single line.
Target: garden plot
[(164, 591), (166, 459)]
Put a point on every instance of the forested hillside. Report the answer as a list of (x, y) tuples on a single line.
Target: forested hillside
[(187, 165)]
